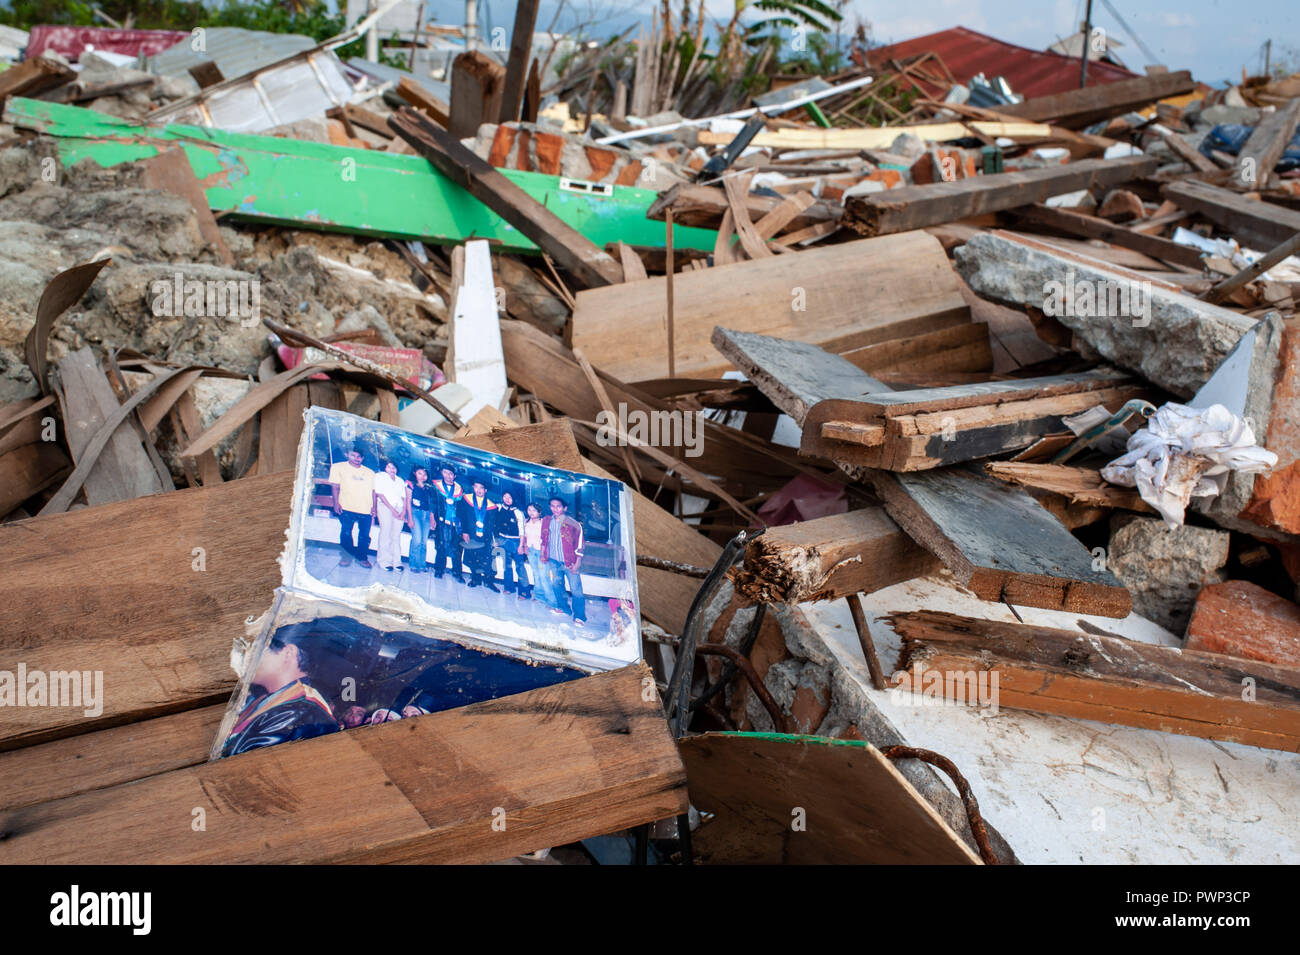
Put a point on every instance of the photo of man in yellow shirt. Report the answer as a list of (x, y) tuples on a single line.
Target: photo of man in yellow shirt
[(352, 485)]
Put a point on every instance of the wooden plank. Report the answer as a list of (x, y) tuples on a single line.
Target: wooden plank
[(859, 808), (1110, 679), (870, 137), (570, 249), (839, 297), (999, 542), (1272, 134), (915, 207), (1091, 227), (704, 206), (838, 430), (830, 557), (123, 469), (1186, 151), (415, 94), (1261, 225), (794, 375), (477, 87), (1076, 109), (521, 41), (474, 356), (596, 757), (121, 754), (279, 428), (1261, 265), (170, 171)]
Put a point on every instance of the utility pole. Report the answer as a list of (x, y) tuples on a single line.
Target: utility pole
[(1268, 52), (372, 35), (1087, 42), (471, 25)]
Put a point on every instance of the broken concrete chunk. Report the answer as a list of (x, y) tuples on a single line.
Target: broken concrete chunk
[(1164, 567), (1172, 339)]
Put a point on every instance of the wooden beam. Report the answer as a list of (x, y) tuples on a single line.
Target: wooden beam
[(868, 812), (588, 263), (839, 297), (1271, 136), (830, 557), (521, 41), (1109, 679), (1076, 109), (1186, 151), (1091, 227), (915, 207), (477, 86), (1254, 223), (384, 794)]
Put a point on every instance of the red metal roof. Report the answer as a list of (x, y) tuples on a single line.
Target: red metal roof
[(73, 41), (1030, 73)]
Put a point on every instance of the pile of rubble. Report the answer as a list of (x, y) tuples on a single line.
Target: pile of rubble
[(997, 389)]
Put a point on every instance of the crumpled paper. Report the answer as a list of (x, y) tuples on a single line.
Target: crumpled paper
[(1184, 453)]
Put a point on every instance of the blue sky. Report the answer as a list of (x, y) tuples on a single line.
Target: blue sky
[(1212, 38)]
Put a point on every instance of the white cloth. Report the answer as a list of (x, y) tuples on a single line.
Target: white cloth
[(1184, 453), (391, 488)]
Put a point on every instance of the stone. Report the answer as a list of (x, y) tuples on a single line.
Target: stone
[(1173, 340), (812, 699), (1243, 619), (1164, 568)]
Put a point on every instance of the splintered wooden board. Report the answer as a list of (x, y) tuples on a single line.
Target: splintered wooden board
[(999, 541), (1109, 679), (555, 765), (839, 297), (857, 808)]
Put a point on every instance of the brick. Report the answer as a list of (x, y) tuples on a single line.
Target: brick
[(1121, 206), (1241, 619), (1275, 500)]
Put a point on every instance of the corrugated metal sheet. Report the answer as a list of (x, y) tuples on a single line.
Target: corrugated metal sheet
[(71, 42), (235, 51), (301, 87), (1030, 73)]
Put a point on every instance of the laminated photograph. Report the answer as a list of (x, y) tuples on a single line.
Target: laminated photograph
[(421, 575)]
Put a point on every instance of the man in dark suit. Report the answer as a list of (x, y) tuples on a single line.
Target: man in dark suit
[(477, 515)]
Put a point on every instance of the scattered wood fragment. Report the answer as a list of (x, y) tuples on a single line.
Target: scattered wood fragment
[(704, 206), (33, 76), (1110, 679), (415, 94), (1079, 485)]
